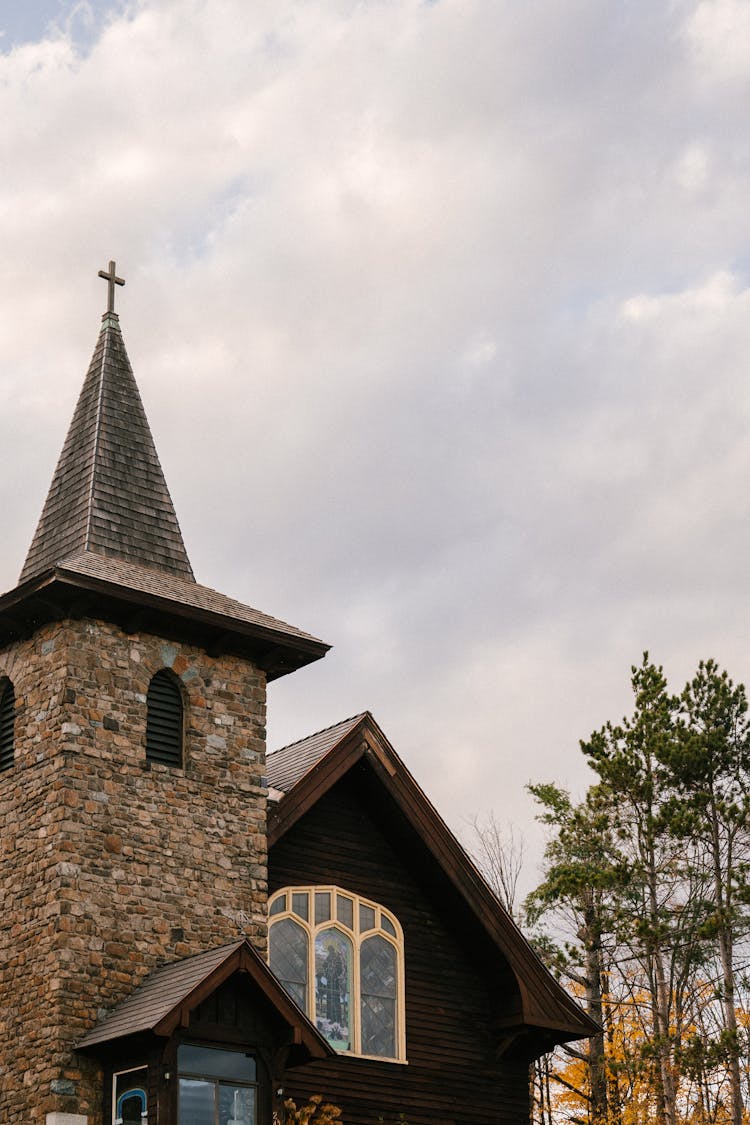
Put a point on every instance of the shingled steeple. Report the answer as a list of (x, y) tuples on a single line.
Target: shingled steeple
[(108, 544), (108, 495)]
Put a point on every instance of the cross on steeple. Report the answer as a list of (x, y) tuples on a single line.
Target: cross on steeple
[(113, 280)]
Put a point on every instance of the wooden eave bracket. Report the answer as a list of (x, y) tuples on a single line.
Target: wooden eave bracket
[(509, 1040), (538, 989), (243, 960), (137, 621), (23, 608)]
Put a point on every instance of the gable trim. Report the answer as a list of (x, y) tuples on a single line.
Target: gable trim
[(546, 1005), (141, 1011)]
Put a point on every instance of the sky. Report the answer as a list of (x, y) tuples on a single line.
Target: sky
[(440, 312)]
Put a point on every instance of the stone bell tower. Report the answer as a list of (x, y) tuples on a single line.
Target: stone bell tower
[(122, 848)]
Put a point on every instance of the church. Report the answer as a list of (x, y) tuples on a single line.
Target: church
[(193, 931)]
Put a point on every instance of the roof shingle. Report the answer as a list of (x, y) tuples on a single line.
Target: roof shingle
[(108, 493), (169, 588), (286, 766), (160, 993)]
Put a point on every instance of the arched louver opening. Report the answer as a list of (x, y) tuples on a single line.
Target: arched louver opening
[(164, 720), (7, 723)]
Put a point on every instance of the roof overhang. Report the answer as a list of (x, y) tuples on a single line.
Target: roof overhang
[(549, 1013), (165, 1000), (69, 591)]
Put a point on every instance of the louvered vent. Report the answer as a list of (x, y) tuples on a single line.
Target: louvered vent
[(7, 724), (164, 721)]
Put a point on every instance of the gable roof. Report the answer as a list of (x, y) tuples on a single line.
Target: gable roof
[(168, 995), (307, 769), (108, 493), (286, 766)]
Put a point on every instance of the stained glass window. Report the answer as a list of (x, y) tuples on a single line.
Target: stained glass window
[(345, 911), (377, 960), (343, 966), (387, 924), (322, 906), (301, 904), (333, 986), (288, 947), (366, 918)]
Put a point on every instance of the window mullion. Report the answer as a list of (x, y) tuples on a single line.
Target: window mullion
[(311, 1011), (356, 983), (356, 1002)]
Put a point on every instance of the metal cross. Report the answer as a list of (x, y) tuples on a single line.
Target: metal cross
[(113, 280)]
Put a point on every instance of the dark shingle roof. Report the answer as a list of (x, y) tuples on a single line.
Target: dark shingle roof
[(108, 493), (109, 528), (167, 588), (168, 996), (286, 766), (160, 993)]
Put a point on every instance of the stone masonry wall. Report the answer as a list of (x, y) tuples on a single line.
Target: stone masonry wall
[(110, 866)]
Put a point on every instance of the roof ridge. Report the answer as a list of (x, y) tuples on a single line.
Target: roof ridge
[(314, 734), (92, 485)]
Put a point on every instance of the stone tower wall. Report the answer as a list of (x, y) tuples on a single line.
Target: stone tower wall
[(110, 866)]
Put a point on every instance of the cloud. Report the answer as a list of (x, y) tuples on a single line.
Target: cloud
[(719, 33), (438, 312)]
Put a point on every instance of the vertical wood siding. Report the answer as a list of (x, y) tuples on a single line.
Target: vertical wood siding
[(452, 1076)]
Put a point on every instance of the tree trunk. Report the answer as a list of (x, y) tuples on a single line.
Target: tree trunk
[(725, 935), (661, 1000), (614, 1100), (597, 1057)]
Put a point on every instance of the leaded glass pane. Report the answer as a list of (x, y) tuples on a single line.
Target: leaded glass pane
[(387, 924), (378, 997), (345, 911), (333, 976), (287, 943), (322, 907), (278, 906), (366, 918), (301, 904)]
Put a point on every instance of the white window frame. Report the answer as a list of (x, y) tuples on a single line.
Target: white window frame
[(129, 1070), (356, 937)]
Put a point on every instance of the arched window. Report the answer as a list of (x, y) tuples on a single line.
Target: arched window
[(341, 957), (164, 720), (7, 723)]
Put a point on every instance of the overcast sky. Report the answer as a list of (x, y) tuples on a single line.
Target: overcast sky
[(441, 316)]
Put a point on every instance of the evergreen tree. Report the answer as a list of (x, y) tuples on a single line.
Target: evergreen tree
[(708, 769), (580, 871)]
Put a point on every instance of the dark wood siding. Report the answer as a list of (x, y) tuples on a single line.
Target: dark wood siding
[(454, 986)]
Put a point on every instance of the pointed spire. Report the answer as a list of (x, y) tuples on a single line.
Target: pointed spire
[(108, 494)]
